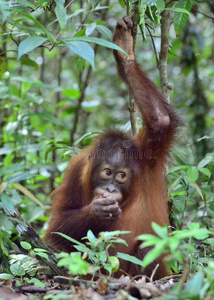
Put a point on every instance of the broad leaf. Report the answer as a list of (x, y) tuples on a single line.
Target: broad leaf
[(60, 12), (160, 4), (90, 28), (95, 41), (38, 24), (192, 172), (82, 49), (180, 18), (30, 44), (4, 10), (105, 31), (205, 171), (154, 253), (26, 3), (205, 161), (194, 286), (5, 276), (7, 201), (20, 176), (129, 258)]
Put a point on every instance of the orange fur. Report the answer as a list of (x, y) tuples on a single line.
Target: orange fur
[(72, 211)]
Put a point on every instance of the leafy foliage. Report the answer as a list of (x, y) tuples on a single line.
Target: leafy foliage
[(59, 89), (95, 250)]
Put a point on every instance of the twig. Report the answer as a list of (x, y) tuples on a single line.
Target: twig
[(132, 106), (69, 4), (203, 14), (165, 22), (80, 100), (83, 89), (153, 44)]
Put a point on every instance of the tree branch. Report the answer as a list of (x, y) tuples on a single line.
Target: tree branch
[(165, 23), (132, 105), (30, 235)]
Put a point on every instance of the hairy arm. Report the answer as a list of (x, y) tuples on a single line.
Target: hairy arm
[(159, 118)]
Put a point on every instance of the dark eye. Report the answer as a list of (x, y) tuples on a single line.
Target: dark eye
[(121, 177), (106, 173)]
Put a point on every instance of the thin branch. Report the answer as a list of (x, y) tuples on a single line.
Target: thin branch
[(153, 44), (165, 23), (80, 100), (85, 85), (132, 105), (203, 14), (31, 236), (69, 4)]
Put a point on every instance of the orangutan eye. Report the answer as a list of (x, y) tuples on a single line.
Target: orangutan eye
[(106, 173), (121, 177)]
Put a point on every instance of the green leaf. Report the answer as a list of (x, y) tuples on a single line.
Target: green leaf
[(122, 4), (61, 15), (83, 50), (205, 171), (73, 93), (90, 28), (182, 12), (193, 287), (178, 10), (7, 201), (29, 62), (5, 276), (40, 250), (150, 242), (26, 3), (146, 237), (129, 258), (43, 255), (20, 176), (4, 10), (47, 117), (160, 4), (3, 187), (37, 282), (205, 161), (150, 2), (30, 44), (193, 231), (25, 245), (173, 186), (196, 187), (192, 172), (105, 31), (91, 237), (154, 253), (69, 238), (17, 270), (90, 105), (28, 16), (178, 168), (95, 40), (162, 232), (88, 134), (109, 234), (13, 168)]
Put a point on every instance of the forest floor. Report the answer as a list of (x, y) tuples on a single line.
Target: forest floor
[(59, 287)]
